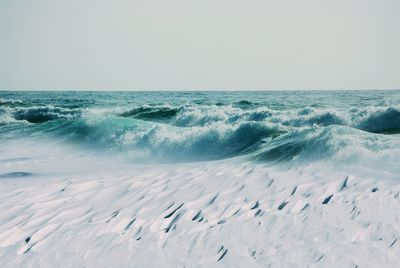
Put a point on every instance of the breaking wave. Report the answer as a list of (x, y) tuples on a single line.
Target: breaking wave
[(382, 121), (210, 131), (163, 142)]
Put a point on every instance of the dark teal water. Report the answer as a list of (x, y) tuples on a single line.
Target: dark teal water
[(275, 126)]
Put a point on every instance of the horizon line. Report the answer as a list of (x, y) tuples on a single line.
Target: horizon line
[(192, 90)]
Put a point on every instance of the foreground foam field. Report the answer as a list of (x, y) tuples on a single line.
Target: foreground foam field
[(203, 214)]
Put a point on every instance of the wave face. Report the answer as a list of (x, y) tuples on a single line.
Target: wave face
[(270, 127)]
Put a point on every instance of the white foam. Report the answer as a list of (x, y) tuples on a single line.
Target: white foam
[(96, 213)]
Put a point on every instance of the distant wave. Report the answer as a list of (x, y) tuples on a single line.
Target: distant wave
[(245, 104), (39, 114), (151, 113), (8, 102)]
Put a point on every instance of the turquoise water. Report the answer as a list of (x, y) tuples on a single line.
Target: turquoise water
[(358, 127)]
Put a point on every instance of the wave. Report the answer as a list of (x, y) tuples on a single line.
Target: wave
[(166, 142), (340, 144), (382, 121), (152, 113), (38, 114), (260, 141), (371, 119), (313, 118), (210, 132), (245, 104), (10, 102)]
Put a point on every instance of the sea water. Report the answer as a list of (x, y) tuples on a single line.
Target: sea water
[(357, 127)]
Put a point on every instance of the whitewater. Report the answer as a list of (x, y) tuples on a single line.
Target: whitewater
[(200, 179)]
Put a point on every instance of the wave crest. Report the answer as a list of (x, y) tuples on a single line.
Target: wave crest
[(44, 114), (152, 113), (382, 121)]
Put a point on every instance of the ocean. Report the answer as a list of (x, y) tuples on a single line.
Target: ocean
[(242, 178)]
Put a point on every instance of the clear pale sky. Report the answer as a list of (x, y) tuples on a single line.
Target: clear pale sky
[(199, 44)]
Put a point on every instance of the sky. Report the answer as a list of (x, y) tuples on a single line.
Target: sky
[(199, 44)]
